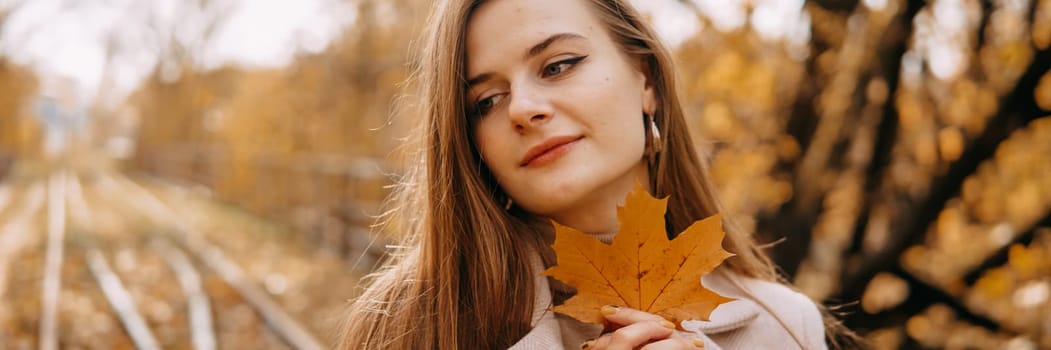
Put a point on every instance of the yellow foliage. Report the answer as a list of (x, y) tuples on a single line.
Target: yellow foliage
[(1042, 93), (19, 132), (995, 283)]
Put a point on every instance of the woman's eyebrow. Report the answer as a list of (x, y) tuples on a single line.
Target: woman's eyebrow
[(538, 48), (481, 78)]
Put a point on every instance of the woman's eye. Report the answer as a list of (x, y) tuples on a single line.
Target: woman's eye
[(485, 105), (561, 66)]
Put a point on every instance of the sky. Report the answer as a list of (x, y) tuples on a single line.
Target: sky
[(84, 50), (88, 49)]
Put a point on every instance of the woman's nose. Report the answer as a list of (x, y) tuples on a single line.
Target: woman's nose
[(528, 108)]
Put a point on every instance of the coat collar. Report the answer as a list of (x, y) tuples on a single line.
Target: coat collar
[(728, 316)]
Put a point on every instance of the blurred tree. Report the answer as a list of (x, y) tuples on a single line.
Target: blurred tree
[(902, 102), (301, 142), (854, 153)]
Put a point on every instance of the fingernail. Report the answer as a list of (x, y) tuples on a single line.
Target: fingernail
[(609, 309), (698, 343), (667, 324), (588, 344)]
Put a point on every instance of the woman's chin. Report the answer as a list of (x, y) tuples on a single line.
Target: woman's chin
[(554, 190), (555, 201)]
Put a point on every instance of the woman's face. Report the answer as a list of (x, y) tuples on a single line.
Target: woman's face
[(557, 109)]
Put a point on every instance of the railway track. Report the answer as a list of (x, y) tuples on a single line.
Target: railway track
[(99, 260)]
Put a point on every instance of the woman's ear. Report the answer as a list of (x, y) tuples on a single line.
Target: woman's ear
[(649, 95), (649, 99)]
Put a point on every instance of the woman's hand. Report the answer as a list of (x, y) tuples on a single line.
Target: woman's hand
[(634, 329)]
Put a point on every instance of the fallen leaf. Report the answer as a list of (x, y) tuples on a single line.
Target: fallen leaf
[(641, 269)]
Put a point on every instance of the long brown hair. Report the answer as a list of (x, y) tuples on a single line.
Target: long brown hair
[(462, 278)]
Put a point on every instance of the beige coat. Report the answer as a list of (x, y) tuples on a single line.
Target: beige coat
[(766, 315)]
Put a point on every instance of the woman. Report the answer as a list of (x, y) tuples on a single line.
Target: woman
[(540, 110)]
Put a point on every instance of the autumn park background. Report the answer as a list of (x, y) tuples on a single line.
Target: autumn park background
[(896, 153)]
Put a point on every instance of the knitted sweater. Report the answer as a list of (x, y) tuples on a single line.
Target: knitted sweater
[(766, 315)]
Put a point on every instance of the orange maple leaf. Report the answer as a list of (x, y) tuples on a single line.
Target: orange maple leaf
[(642, 269)]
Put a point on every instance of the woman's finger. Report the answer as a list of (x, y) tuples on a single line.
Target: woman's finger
[(632, 336), (626, 316), (675, 343)]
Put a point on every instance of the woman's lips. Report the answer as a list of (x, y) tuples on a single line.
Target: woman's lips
[(548, 151)]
